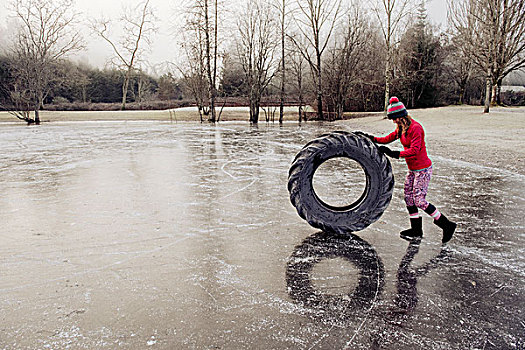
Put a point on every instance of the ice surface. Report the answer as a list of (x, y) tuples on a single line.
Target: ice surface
[(181, 235)]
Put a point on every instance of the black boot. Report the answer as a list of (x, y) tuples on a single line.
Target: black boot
[(447, 226), (416, 230)]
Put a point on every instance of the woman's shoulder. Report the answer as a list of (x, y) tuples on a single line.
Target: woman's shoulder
[(415, 124), (415, 127)]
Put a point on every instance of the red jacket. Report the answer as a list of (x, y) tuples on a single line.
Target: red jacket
[(413, 141)]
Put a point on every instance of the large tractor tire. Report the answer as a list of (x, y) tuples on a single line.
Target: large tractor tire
[(357, 215)]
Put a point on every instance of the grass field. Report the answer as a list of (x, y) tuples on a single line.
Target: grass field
[(179, 114)]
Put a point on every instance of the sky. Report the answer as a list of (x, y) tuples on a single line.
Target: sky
[(165, 45)]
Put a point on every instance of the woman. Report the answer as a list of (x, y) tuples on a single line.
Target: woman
[(412, 137)]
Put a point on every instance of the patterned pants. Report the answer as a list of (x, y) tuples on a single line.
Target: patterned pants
[(416, 186)]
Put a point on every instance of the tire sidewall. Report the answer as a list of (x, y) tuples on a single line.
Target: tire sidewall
[(373, 163)]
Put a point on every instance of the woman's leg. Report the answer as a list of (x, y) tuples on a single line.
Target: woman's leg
[(409, 195), (416, 227), (421, 182)]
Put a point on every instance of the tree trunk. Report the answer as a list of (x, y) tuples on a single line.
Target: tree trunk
[(214, 77), (252, 115), (340, 111), (200, 112), (319, 89), (39, 105), (125, 91), (281, 102), (498, 92), (493, 94), (301, 102), (299, 73), (488, 89), (462, 90), (211, 87), (387, 81), (254, 109), (388, 61), (256, 112)]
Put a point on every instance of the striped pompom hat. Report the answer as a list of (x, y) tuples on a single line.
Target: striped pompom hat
[(396, 109)]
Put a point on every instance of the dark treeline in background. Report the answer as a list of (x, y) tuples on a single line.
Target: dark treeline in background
[(80, 87), (327, 54)]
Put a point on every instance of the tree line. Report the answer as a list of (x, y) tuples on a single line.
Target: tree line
[(333, 55), (76, 85)]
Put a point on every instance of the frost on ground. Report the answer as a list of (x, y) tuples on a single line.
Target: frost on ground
[(181, 235)]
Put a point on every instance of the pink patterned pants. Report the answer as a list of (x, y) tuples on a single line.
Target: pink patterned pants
[(416, 187)]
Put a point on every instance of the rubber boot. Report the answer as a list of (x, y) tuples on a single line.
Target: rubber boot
[(447, 226), (415, 231)]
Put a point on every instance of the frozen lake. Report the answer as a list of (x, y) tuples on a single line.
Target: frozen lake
[(182, 235)]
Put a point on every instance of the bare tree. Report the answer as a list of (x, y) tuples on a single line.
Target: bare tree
[(193, 69), (46, 35), (344, 60), (195, 83), (138, 25), (202, 27), (316, 21), (459, 64), (297, 66), (256, 47), (466, 19), (510, 48), (497, 45), (211, 27), (391, 15), (282, 10), (141, 85)]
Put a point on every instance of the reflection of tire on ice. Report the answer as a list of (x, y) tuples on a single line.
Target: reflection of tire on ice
[(322, 246)]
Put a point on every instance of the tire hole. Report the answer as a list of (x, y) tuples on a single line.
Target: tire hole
[(339, 182)]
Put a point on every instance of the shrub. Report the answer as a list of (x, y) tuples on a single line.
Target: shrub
[(513, 98)]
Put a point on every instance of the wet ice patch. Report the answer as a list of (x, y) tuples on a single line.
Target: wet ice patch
[(193, 222), (151, 341)]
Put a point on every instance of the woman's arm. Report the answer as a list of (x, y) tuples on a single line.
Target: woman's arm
[(386, 139)]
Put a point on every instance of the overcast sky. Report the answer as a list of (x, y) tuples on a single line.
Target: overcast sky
[(165, 47)]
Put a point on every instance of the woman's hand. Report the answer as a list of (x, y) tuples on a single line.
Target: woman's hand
[(389, 152), (360, 133)]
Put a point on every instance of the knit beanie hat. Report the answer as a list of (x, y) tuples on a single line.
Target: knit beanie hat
[(396, 109)]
